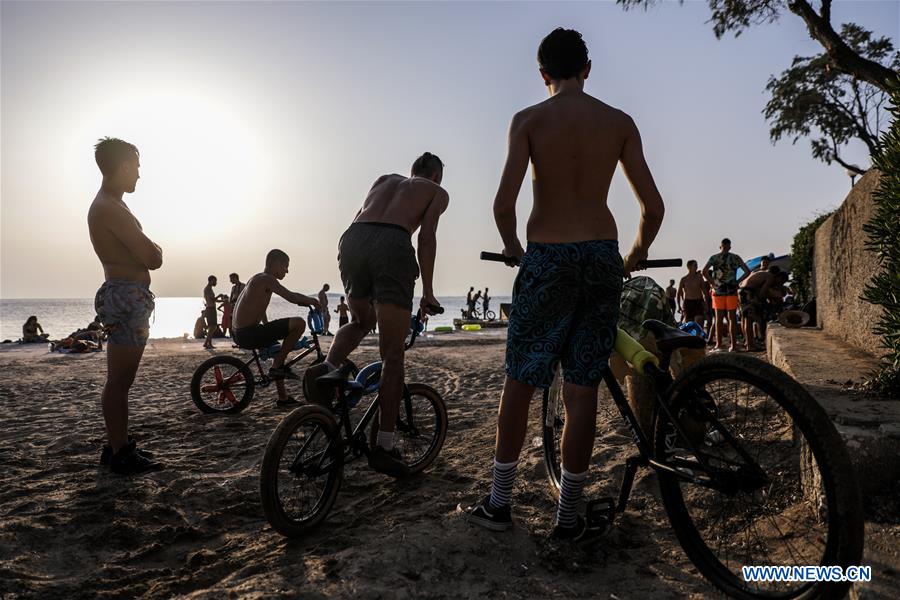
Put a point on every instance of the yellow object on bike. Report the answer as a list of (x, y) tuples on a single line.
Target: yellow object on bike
[(471, 327), (635, 354)]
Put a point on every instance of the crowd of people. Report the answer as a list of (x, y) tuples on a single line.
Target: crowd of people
[(724, 304)]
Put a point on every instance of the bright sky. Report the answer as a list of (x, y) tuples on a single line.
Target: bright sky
[(263, 125)]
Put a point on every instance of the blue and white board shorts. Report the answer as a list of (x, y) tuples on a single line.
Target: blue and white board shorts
[(565, 311), (125, 307)]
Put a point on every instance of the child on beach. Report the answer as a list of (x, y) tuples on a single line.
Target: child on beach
[(124, 301), (379, 270), (574, 143), (30, 330), (252, 329), (344, 310)]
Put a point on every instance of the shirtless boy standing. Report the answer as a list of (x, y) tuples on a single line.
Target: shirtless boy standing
[(379, 271), (566, 295), (252, 329), (124, 301), (692, 294)]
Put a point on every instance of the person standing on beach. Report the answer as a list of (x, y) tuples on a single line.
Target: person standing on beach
[(485, 302), (236, 288), (670, 296), (209, 311), (326, 315), (566, 295), (692, 294), (124, 301), (344, 310), (470, 305), (379, 271), (721, 273)]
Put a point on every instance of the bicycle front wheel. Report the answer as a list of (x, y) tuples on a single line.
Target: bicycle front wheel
[(769, 481), (421, 426), (301, 471), (222, 384)]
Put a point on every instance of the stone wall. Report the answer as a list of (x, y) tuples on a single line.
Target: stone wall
[(842, 267)]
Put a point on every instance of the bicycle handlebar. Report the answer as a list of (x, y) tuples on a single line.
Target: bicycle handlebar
[(644, 264)]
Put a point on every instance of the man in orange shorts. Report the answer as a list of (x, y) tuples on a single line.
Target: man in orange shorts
[(721, 273)]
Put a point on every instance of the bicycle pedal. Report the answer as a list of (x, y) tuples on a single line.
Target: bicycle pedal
[(601, 509)]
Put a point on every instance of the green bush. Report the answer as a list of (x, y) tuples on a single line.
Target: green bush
[(802, 258), (884, 241)]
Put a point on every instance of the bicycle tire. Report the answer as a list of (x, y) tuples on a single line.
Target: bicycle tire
[(406, 439), (490, 315), (552, 421), (842, 517), (228, 403), (320, 420)]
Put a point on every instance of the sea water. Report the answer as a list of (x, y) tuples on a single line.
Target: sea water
[(174, 317)]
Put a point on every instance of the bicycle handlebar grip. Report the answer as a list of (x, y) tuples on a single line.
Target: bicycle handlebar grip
[(633, 353), (438, 310), (498, 257), (660, 263)]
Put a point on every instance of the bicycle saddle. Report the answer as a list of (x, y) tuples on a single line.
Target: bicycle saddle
[(669, 339), (338, 379)]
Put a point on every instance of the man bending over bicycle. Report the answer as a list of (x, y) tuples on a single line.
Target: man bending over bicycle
[(566, 295), (379, 271), (252, 329)]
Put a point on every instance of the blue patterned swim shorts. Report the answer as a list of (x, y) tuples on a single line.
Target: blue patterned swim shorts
[(565, 310), (125, 307)]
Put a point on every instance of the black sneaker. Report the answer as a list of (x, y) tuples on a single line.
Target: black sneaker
[(282, 372), (585, 534), (388, 462), (289, 401), (128, 461), (495, 519), (106, 453)]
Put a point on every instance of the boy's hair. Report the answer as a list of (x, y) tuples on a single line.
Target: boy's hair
[(692, 262), (562, 54), (112, 152), (276, 256), (427, 165), (211, 278), (235, 275), (726, 241)]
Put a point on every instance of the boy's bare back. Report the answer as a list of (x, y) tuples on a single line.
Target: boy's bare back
[(574, 142), (399, 200)]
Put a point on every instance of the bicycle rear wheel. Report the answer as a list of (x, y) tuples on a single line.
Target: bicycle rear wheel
[(222, 384), (553, 418), (801, 507), (301, 470), (421, 426)]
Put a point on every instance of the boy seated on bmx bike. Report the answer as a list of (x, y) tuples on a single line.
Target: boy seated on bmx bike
[(251, 329)]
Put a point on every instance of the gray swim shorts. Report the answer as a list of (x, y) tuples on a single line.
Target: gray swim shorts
[(125, 307), (377, 261)]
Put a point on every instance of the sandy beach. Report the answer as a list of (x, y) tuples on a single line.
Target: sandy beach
[(71, 529)]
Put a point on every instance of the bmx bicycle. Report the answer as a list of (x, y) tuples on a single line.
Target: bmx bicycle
[(226, 384), (751, 470), (303, 463)]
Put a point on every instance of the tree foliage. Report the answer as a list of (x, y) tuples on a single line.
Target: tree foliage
[(883, 234), (802, 258), (812, 99)]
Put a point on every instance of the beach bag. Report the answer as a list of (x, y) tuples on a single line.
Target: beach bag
[(642, 299)]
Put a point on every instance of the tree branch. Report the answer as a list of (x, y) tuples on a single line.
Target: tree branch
[(846, 165), (842, 56)]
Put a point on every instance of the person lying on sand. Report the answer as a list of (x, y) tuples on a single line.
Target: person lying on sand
[(574, 143), (124, 301), (252, 329), (379, 271)]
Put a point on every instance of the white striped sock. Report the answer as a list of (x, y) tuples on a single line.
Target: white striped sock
[(385, 439), (501, 489), (569, 496)]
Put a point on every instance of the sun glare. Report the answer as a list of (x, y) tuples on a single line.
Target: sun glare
[(199, 159)]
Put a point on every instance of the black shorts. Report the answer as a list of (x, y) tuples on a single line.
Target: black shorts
[(211, 316), (377, 261), (261, 335)]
